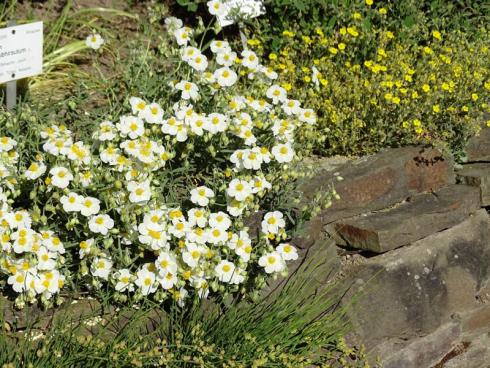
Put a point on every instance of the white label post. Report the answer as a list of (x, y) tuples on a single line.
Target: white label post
[(21, 55)]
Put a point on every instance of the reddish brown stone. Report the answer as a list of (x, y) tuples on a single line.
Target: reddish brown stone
[(381, 180)]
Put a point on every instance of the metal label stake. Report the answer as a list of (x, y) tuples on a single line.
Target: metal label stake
[(12, 85)]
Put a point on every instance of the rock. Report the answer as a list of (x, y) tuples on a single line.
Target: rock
[(426, 351), (474, 354), (411, 291), (478, 175), (379, 181), (422, 215), (478, 147)]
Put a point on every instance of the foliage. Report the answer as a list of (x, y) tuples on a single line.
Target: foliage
[(373, 88), (300, 327), (152, 201)]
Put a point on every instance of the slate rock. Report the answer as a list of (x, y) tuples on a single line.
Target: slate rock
[(423, 215), (411, 291), (379, 181), (478, 147), (478, 175)]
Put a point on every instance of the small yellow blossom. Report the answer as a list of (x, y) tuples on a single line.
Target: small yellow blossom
[(369, 2), (437, 35)]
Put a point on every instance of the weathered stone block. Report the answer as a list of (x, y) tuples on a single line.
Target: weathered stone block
[(423, 215), (411, 291), (381, 180), (478, 175), (478, 147)]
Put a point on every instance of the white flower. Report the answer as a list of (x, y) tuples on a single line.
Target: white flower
[(138, 105), (199, 62), (272, 262), (201, 195), (259, 184), (197, 216), (106, 131), (250, 59), (189, 90), (269, 72), (218, 46), (78, 152), (291, 107), (131, 126), (35, 170), (123, 278), (179, 228), (189, 52), (101, 267), (94, 41), (6, 144), (219, 220), (19, 281), (167, 280), (89, 206), (71, 202), (287, 252), (215, 7), (45, 260), (239, 189), (235, 208), (283, 153), (277, 94), (153, 234), (217, 235), (173, 23), (145, 280), (19, 219), (139, 192), (307, 116), (166, 263), (191, 255), (273, 222), (48, 282), (225, 76), (225, 270), (197, 123), (226, 57), (101, 224), (182, 35), (153, 113), (216, 123), (60, 177), (85, 247)]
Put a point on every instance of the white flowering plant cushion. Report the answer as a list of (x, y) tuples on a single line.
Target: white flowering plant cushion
[(153, 206)]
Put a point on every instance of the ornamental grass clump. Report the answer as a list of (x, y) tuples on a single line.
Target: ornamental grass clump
[(154, 205)]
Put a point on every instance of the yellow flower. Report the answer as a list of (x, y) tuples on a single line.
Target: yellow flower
[(417, 123), (437, 35), (307, 78), (352, 31), (287, 86), (389, 34), (382, 11), (436, 108), (369, 2), (288, 34), (272, 56), (426, 88), (333, 50), (465, 108), (428, 50), (356, 15), (343, 31), (396, 100), (474, 96), (488, 123), (341, 46)]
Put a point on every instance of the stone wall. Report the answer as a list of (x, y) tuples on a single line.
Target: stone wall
[(410, 239)]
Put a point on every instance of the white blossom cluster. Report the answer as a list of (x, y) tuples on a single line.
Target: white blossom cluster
[(107, 198)]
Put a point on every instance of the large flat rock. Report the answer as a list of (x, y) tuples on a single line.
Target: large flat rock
[(379, 181), (478, 175), (423, 215), (478, 147), (411, 291)]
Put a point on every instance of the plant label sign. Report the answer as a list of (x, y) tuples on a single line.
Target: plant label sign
[(21, 51), (240, 9)]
